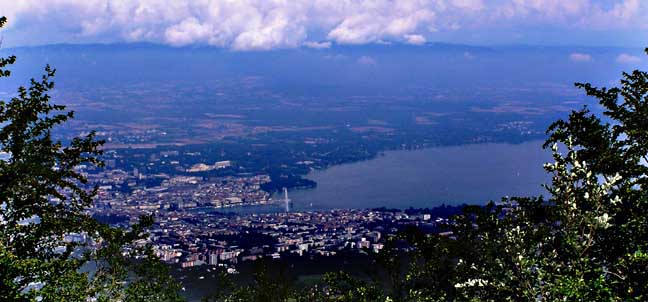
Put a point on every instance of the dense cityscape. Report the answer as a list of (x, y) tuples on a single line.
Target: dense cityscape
[(215, 239), (193, 227)]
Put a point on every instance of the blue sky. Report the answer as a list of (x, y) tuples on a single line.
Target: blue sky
[(271, 24)]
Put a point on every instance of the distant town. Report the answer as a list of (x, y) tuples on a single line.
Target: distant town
[(196, 238), (191, 229), (174, 192)]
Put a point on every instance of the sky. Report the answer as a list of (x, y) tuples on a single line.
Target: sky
[(256, 25)]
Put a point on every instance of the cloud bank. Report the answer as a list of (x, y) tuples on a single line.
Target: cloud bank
[(366, 60), (628, 59), (580, 57), (271, 24)]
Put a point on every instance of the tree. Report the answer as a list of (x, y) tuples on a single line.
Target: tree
[(587, 242), (51, 249), (615, 150)]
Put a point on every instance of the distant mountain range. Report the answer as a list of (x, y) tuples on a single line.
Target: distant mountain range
[(375, 67)]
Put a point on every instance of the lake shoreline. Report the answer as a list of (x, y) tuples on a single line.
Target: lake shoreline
[(530, 153)]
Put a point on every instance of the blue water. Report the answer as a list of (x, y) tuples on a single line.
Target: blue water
[(430, 177), (426, 178)]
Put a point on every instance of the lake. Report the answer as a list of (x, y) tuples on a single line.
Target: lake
[(425, 178), (430, 177)]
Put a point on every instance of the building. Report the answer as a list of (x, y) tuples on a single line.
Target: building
[(213, 259)]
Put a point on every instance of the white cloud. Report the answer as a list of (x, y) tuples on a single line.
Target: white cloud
[(335, 57), (473, 5), (468, 55), (580, 57), (366, 60), (544, 9), (269, 24), (415, 39), (583, 14), (186, 32), (317, 45), (625, 58)]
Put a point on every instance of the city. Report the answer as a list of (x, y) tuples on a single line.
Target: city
[(323, 151), (193, 227)]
